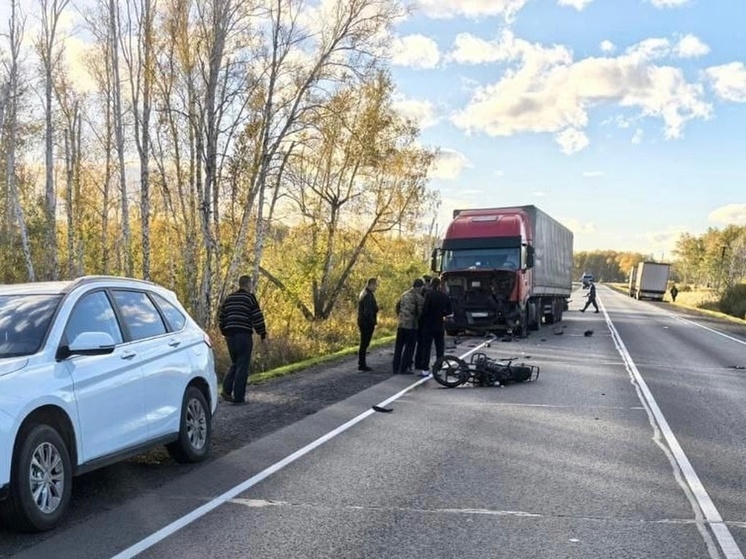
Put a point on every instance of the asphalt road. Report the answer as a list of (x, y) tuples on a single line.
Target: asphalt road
[(629, 445)]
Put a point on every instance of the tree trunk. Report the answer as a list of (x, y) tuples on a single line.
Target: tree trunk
[(126, 247), (15, 35)]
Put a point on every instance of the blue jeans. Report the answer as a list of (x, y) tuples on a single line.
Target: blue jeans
[(239, 348)]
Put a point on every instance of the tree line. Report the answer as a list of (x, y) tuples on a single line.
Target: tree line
[(208, 138), (716, 260)]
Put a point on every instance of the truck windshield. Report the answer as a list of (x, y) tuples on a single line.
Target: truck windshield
[(465, 259)]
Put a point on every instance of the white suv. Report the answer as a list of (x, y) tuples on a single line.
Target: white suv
[(93, 371)]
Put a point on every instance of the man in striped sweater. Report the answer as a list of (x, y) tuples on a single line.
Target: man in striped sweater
[(238, 318)]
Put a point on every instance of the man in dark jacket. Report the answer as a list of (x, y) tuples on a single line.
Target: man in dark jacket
[(591, 298), (367, 318), (436, 307), (238, 318)]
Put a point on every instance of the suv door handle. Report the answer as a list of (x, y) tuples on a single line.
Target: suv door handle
[(128, 355), (174, 343)]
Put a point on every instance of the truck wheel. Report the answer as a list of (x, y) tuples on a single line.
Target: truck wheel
[(40, 481), (193, 444)]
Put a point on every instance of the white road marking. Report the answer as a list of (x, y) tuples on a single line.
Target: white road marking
[(696, 489), (731, 338), (232, 493)]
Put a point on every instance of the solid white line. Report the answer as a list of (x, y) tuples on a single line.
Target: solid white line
[(199, 512), (698, 491), (731, 338)]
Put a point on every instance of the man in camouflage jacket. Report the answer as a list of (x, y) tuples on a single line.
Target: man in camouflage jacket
[(409, 308)]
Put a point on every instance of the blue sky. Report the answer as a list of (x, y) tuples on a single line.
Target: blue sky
[(624, 119)]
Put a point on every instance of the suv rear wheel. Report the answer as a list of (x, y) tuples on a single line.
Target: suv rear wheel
[(41, 481)]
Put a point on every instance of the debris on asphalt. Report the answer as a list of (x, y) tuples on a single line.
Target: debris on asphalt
[(382, 410)]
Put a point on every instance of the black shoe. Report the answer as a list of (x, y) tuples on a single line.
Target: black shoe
[(364, 368), (239, 402), (595, 312), (582, 310), (226, 397)]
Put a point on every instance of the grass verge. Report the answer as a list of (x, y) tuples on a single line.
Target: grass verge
[(300, 365)]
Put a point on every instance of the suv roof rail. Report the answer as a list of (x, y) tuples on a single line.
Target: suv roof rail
[(93, 278)]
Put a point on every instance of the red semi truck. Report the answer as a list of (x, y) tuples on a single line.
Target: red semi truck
[(504, 269)]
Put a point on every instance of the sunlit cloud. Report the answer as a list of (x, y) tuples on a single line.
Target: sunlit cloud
[(731, 214)]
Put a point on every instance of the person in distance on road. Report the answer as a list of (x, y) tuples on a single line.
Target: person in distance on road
[(591, 297), (367, 318), (674, 293), (238, 318)]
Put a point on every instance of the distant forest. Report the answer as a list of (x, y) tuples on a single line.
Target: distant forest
[(715, 259)]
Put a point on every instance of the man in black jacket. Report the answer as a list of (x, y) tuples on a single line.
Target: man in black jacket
[(591, 298), (367, 318), (436, 307), (238, 318)]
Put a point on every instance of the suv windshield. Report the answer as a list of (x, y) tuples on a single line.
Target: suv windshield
[(24, 320)]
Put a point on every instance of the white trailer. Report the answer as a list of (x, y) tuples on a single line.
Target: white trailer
[(651, 280)]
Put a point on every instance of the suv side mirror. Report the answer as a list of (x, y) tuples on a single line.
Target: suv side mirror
[(88, 343)]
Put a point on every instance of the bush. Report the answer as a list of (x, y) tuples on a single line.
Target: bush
[(733, 301)]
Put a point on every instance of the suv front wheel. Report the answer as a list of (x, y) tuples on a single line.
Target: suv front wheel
[(193, 444), (41, 481)]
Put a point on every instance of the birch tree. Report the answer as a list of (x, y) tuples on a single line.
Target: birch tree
[(118, 121), (9, 131), (101, 125), (360, 175), (140, 62), (305, 52), (50, 53)]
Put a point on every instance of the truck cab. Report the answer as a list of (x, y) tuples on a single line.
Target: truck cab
[(487, 261)]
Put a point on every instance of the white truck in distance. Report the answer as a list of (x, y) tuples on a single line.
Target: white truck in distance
[(648, 280)]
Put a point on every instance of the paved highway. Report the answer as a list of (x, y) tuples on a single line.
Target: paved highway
[(629, 445)]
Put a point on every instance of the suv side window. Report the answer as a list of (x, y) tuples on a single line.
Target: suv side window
[(174, 316), (93, 313), (140, 315)]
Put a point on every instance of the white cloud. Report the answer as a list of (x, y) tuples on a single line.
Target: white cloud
[(637, 138), (539, 193), (579, 227), (732, 214), (544, 90), (571, 140), (593, 174), (577, 4), (691, 46), (469, 49), (663, 241), (421, 111), (448, 164), (668, 3), (729, 81), (416, 51), (607, 47), (650, 49), (446, 9)]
